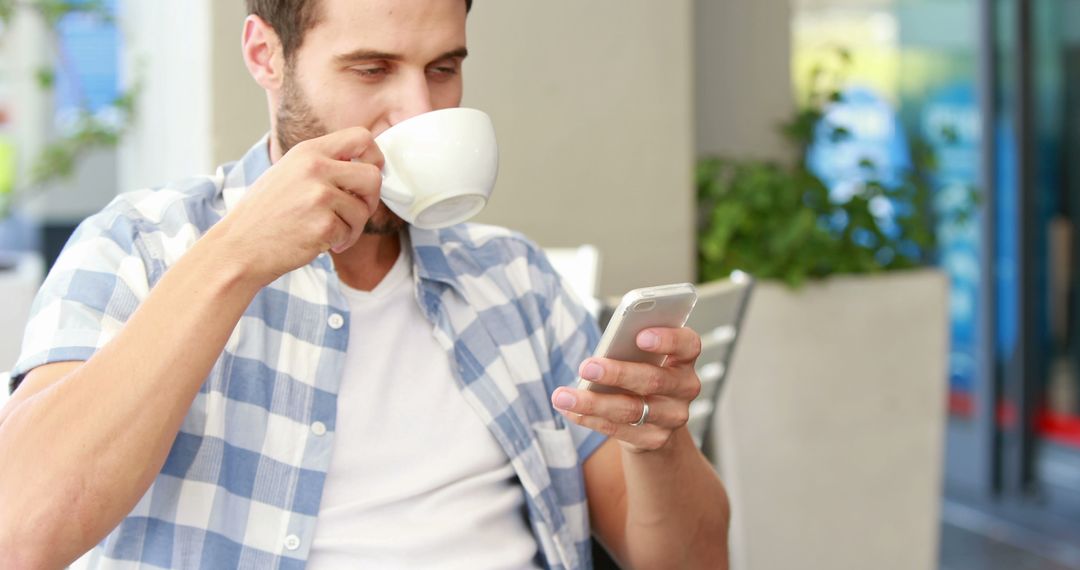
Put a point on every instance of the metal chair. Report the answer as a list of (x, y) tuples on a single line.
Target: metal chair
[(717, 318)]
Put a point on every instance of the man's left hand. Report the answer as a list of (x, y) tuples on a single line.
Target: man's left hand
[(667, 390)]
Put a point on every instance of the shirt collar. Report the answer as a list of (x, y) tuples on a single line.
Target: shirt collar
[(429, 256), (245, 172)]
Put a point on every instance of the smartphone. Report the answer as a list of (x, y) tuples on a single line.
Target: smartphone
[(665, 306)]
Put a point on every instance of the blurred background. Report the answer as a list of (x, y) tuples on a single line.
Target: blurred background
[(900, 177)]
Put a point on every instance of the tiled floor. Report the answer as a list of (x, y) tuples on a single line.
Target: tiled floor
[(962, 549), (999, 535)]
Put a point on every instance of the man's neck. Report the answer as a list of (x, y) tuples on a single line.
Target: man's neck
[(365, 264)]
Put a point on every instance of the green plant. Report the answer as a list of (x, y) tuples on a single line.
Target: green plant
[(89, 130), (778, 221)]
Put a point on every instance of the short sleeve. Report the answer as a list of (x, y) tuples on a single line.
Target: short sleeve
[(93, 288)]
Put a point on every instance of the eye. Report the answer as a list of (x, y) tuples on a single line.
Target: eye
[(444, 70), (371, 71)]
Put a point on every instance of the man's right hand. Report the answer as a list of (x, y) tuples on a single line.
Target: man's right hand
[(315, 199)]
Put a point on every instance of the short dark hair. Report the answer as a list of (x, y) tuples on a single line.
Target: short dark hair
[(291, 19)]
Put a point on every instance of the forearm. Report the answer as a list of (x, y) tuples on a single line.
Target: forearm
[(677, 511), (80, 453)]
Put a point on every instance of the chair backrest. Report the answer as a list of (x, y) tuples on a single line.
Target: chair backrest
[(717, 318), (580, 267)]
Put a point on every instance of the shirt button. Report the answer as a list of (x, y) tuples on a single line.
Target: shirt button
[(292, 542), (336, 321), (318, 428)]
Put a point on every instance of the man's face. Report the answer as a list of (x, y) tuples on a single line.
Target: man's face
[(373, 64)]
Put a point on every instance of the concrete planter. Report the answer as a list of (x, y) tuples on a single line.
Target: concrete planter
[(831, 426)]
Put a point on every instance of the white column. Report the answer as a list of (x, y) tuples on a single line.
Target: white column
[(169, 44), (199, 107), (23, 53)]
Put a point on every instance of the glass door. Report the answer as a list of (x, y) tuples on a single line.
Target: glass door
[(1055, 146)]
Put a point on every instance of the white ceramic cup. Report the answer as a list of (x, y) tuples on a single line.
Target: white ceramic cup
[(440, 166)]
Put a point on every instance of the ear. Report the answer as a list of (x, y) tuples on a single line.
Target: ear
[(262, 53)]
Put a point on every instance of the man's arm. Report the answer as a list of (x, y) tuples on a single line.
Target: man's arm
[(654, 500), (81, 443), (658, 510)]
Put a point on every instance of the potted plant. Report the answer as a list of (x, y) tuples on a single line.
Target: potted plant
[(831, 425), (87, 127)]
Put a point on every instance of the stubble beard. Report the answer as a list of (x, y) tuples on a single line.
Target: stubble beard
[(296, 123)]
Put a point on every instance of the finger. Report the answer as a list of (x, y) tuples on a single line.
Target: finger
[(621, 408), (345, 145), (646, 437), (682, 345), (641, 378), (354, 212), (372, 155), (348, 238), (361, 179), (334, 231)]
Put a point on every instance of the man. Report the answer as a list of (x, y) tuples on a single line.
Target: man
[(267, 369)]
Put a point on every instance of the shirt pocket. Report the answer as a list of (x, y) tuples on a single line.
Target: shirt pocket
[(557, 446), (567, 481)]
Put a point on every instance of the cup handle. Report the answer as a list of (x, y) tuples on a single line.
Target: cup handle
[(390, 193)]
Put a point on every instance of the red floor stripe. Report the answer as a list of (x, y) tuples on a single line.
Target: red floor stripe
[(1063, 429)]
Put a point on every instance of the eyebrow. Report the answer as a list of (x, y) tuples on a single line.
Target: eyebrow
[(363, 54)]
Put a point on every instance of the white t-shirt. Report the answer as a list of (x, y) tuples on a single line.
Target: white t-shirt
[(416, 479)]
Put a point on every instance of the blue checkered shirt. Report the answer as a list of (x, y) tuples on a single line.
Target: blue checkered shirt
[(242, 483)]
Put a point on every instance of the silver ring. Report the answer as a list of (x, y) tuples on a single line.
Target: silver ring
[(644, 414)]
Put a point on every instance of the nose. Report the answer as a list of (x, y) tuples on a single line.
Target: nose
[(412, 99)]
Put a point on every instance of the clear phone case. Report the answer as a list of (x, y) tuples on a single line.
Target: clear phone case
[(666, 306)]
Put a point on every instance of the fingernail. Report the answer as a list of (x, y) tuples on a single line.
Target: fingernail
[(592, 371), (648, 339), (565, 400)]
